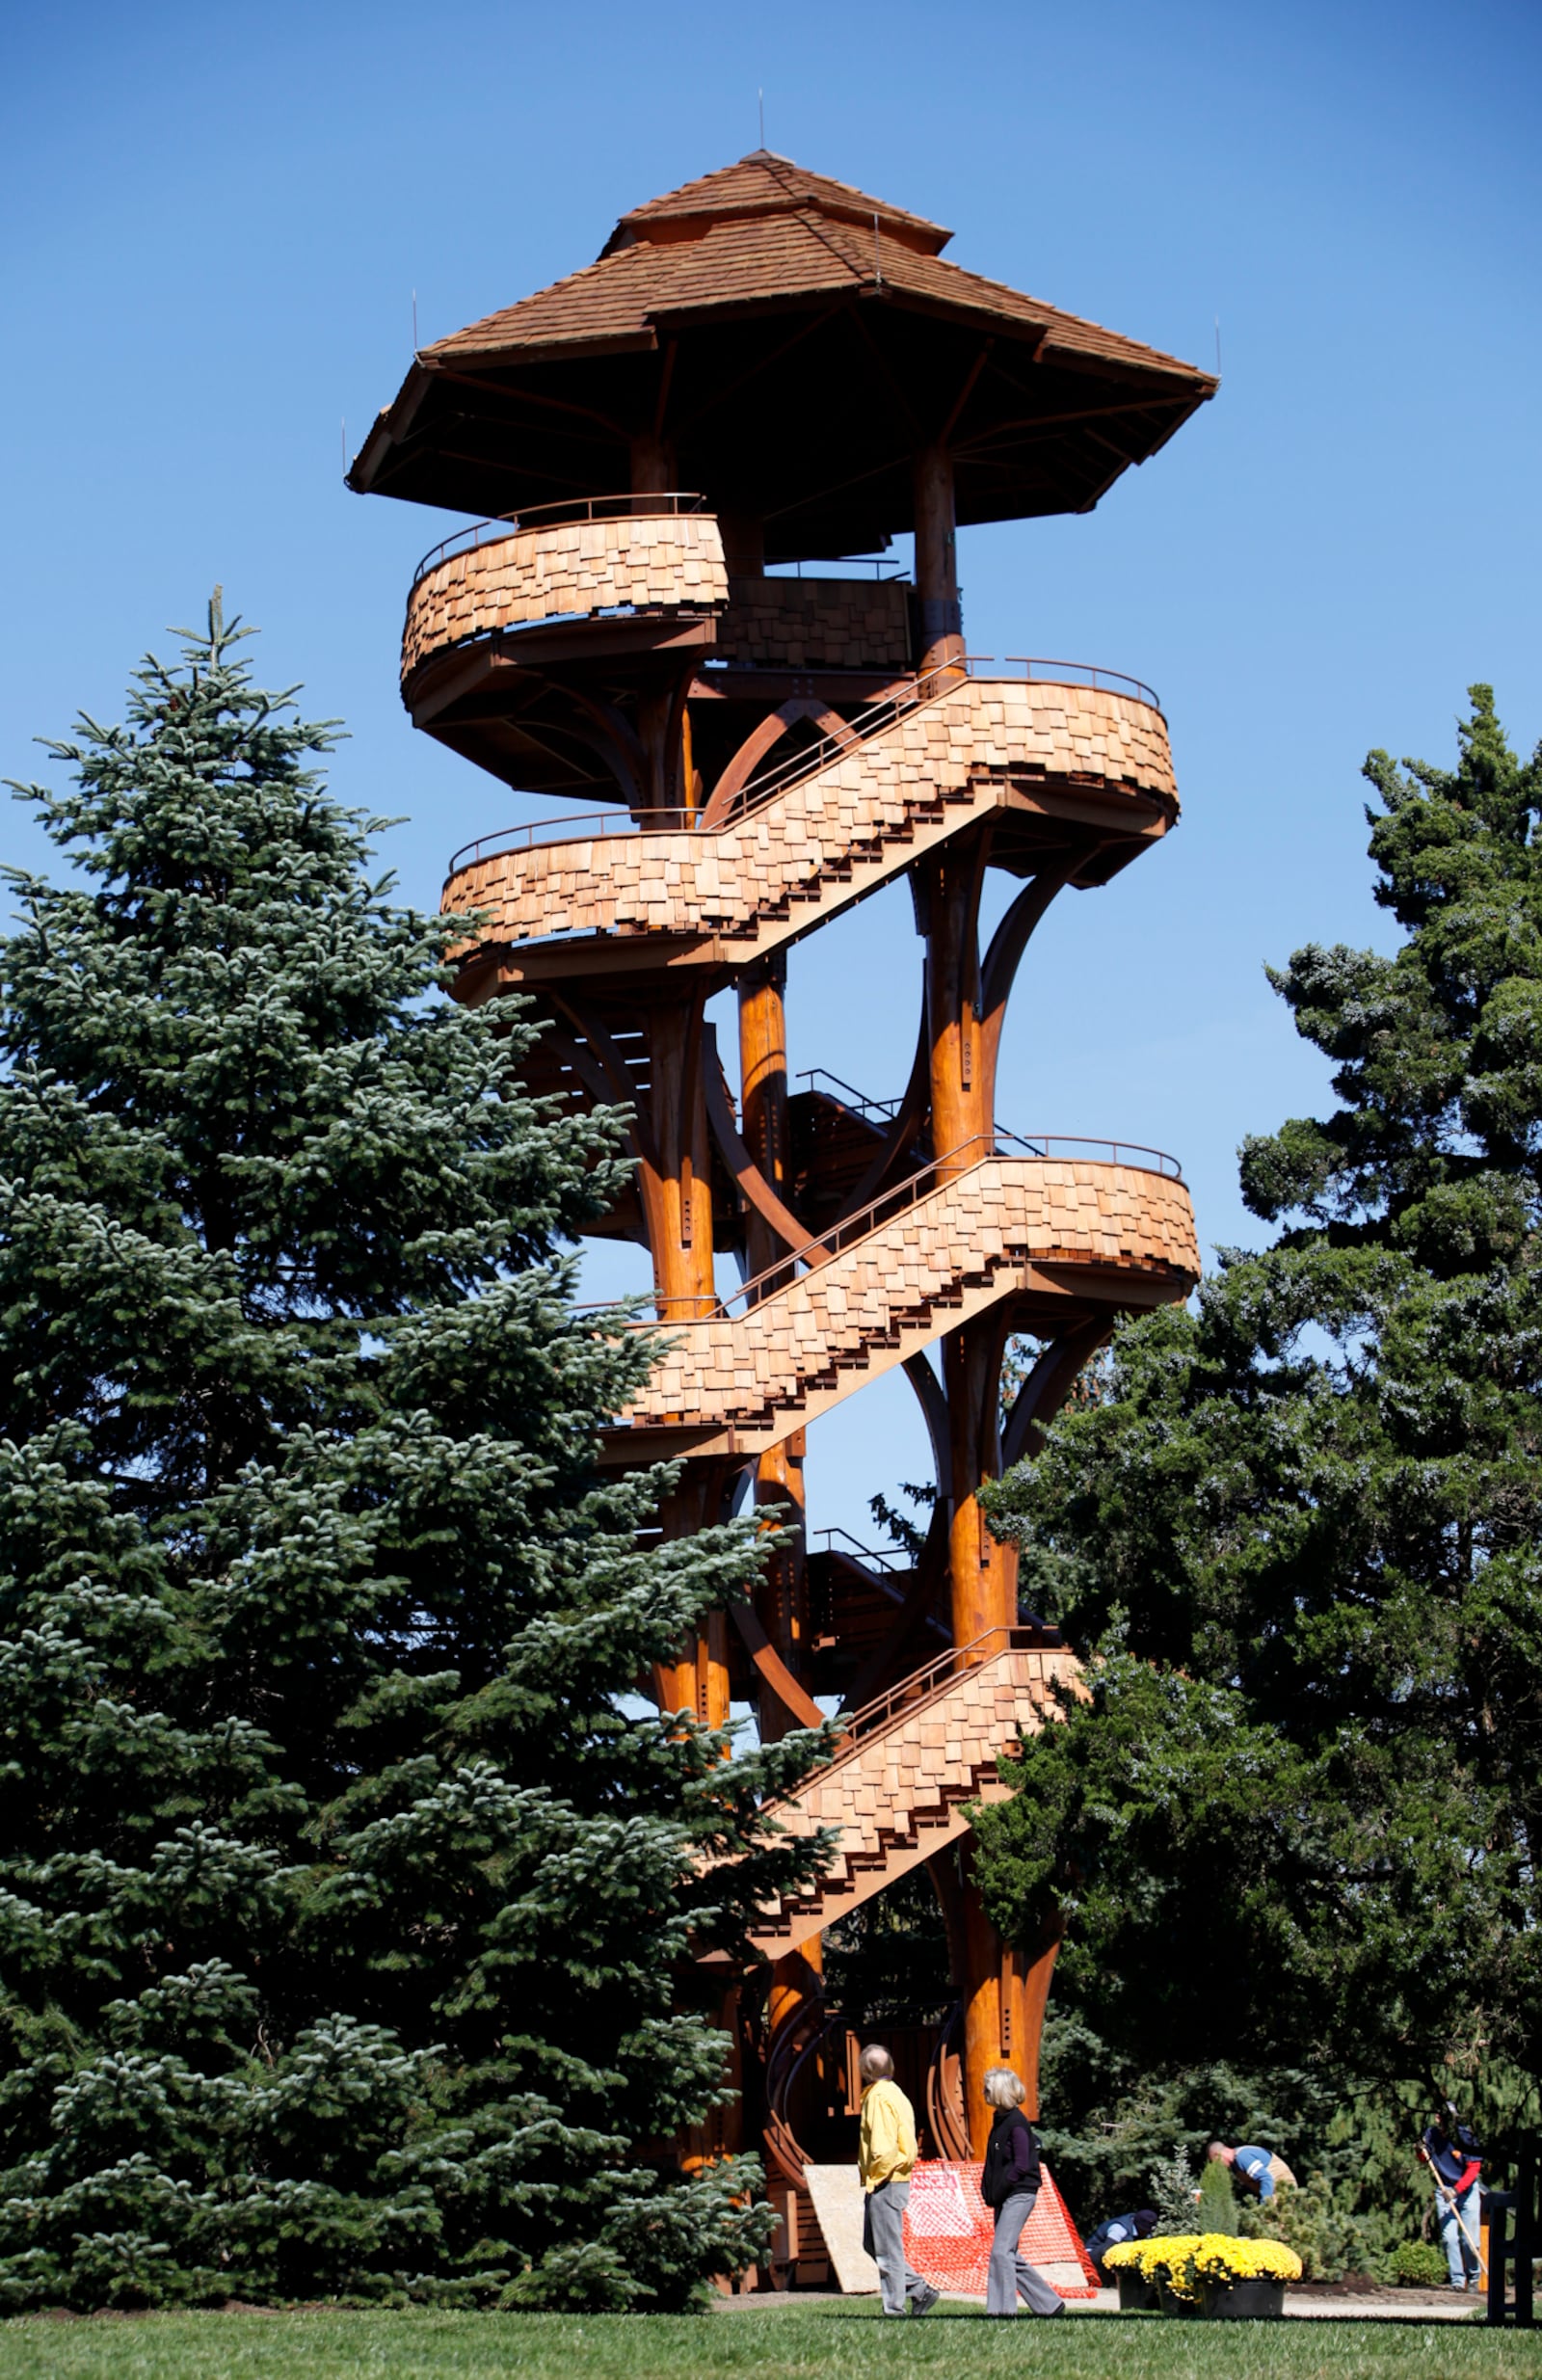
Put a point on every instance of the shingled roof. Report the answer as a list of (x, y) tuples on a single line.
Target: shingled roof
[(766, 184), (829, 323)]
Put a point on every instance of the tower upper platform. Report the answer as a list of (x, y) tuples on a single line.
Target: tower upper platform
[(793, 343)]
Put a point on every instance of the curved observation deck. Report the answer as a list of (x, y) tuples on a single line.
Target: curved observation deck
[(1064, 764), (612, 555), (1062, 1236)]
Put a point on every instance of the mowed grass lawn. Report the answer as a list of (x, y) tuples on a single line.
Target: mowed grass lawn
[(815, 2342)]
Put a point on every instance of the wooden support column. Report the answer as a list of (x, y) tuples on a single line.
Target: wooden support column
[(983, 1571), (763, 1075), (1005, 1991), (939, 618), (663, 725), (677, 1206), (678, 1186), (697, 1679), (949, 886), (998, 2028), (721, 2130), (781, 1601)]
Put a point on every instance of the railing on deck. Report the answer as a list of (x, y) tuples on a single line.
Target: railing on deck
[(668, 504), (577, 826), (872, 1557), (1044, 1147), (921, 1684), (857, 1101)]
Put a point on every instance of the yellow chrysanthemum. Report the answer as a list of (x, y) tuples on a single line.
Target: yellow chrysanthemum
[(1187, 2259)]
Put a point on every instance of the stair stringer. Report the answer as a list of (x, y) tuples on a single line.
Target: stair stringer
[(593, 903), (1118, 1235), (901, 1790)]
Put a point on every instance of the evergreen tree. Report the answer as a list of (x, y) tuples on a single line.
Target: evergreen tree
[(1299, 1817), (348, 1913)]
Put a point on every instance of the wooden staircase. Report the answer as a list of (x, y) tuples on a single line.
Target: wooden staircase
[(913, 1761), (896, 1276), (799, 846)]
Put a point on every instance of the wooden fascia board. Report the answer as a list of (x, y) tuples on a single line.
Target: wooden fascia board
[(512, 354)]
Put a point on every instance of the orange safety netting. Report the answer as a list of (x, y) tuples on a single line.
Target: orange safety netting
[(948, 2230)]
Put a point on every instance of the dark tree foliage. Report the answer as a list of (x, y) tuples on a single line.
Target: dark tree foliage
[(346, 1913), (1297, 1538)]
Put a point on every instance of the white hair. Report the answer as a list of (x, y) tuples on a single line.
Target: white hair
[(1003, 2088)]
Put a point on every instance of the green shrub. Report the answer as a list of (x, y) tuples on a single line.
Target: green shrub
[(1314, 2221), (1217, 2200), (1172, 2193), (1419, 2264)]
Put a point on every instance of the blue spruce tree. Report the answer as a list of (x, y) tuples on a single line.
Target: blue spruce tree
[(347, 1913)]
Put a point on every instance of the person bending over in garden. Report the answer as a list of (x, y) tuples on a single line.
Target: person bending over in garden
[(1009, 2185), (1259, 2168), (1450, 2151), (1113, 2230), (886, 2158)]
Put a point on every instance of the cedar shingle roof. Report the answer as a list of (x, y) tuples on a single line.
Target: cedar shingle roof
[(765, 183), (749, 235), (792, 342)]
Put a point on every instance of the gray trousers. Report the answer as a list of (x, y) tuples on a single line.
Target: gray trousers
[(883, 2236), (1010, 2274)]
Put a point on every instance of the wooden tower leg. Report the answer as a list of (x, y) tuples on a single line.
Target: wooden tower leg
[(677, 1186), (782, 1601), (1005, 1991), (982, 1573)]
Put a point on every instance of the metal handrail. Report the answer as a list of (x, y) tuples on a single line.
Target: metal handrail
[(845, 1233), (895, 1201), (869, 1553), (883, 567), (667, 503), (1082, 674), (868, 723), (873, 721), (857, 1101), (875, 1715), (1045, 1145), (601, 824), (982, 667)]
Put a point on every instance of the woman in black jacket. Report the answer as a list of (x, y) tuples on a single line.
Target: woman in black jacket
[(1009, 2184)]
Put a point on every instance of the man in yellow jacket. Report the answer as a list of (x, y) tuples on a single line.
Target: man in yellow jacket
[(886, 2158)]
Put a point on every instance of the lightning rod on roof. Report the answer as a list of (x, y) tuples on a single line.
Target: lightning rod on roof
[(761, 96), (1218, 347), (415, 322)]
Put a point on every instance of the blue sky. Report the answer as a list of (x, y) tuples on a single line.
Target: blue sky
[(214, 221)]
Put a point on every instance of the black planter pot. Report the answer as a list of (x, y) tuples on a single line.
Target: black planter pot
[(1243, 2301), (1136, 2294), (1170, 2302)]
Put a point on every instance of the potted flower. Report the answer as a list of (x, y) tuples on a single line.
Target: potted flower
[(1137, 2291), (1153, 2275), (1204, 2273), (1243, 2280)]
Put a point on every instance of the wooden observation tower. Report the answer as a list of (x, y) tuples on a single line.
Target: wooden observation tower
[(768, 369)]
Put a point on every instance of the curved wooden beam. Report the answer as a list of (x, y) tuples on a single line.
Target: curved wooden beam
[(934, 1412), (775, 1672), (613, 737), (886, 1657), (623, 1092), (1048, 1386), (758, 742), (1002, 961), (904, 1130), (747, 1175)]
